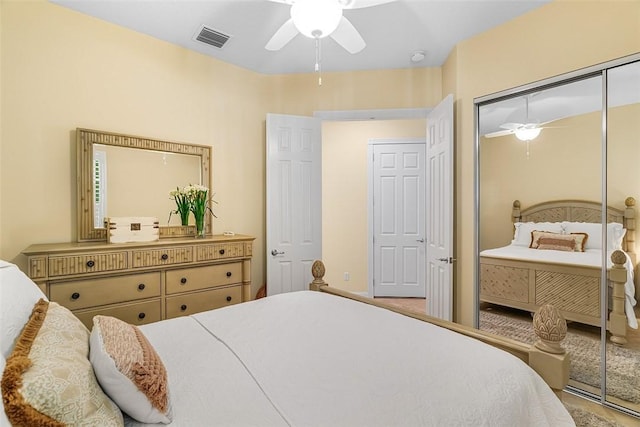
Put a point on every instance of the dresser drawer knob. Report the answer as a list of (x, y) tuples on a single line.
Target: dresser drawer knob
[(228, 274), (221, 251), (183, 280), (229, 299), (183, 307), (75, 295), (141, 316), (141, 286), (91, 263), (164, 257)]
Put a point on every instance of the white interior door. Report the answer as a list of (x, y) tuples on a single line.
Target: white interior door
[(399, 220), (294, 201), (440, 210)]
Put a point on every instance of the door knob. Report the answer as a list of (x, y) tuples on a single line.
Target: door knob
[(275, 252), (420, 240)]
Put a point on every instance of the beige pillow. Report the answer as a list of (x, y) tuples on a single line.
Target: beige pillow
[(558, 244), (561, 242), (129, 370), (48, 379), (581, 241)]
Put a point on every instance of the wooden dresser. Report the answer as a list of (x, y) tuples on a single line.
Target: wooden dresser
[(144, 282)]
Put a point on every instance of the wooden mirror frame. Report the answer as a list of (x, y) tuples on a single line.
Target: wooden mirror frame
[(85, 138)]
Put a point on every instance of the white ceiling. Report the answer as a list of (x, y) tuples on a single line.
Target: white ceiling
[(392, 31)]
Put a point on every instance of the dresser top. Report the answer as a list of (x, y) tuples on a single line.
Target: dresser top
[(174, 241)]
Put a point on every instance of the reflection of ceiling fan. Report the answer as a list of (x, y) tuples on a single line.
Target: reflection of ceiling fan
[(523, 131), (321, 18)]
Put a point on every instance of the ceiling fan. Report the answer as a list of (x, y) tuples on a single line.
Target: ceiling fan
[(527, 131), (317, 19)]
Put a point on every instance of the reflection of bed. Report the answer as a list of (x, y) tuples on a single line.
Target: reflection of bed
[(521, 277), (312, 358)]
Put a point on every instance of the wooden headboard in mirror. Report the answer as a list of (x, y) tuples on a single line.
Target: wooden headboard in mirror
[(126, 175)]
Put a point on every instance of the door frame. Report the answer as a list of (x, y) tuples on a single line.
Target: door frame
[(370, 228), (355, 115)]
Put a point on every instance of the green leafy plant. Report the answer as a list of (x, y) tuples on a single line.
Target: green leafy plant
[(183, 206), (194, 199)]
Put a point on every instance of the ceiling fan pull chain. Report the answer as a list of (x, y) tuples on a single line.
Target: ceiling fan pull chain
[(318, 61)]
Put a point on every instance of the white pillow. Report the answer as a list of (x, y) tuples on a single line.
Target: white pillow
[(522, 233), (129, 370), (615, 233), (18, 295)]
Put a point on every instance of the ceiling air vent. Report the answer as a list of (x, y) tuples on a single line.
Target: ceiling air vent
[(211, 37)]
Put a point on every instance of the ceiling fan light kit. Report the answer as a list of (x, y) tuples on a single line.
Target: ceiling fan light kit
[(527, 133), (316, 18)]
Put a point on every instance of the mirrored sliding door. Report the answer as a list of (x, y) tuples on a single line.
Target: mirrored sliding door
[(556, 184)]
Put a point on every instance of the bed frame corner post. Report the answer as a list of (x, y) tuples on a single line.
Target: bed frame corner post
[(515, 212), (546, 356), (317, 270), (617, 317)]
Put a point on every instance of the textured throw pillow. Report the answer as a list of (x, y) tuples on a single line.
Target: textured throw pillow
[(567, 245), (581, 241), (48, 380), (561, 242), (129, 370)]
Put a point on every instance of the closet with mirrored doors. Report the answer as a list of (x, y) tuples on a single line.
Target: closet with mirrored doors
[(557, 184)]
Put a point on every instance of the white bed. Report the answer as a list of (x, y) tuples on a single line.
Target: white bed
[(309, 358)]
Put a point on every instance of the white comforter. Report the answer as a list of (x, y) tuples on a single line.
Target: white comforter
[(588, 258), (311, 359)]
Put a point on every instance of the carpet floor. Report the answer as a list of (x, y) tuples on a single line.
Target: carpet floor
[(623, 365)]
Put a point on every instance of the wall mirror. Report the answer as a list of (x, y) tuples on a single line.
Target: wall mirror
[(558, 157), (125, 175)]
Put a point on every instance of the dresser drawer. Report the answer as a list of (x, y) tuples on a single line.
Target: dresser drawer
[(195, 278), (162, 256), (87, 263), (109, 290), (136, 314), (219, 251), (183, 305)]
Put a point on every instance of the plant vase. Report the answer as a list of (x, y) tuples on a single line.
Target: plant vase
[(200, 229), (184, 217)]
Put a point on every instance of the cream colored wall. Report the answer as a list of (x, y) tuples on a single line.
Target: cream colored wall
[(363, 90), (62, 70), (553, 39), (344, 194), (564, 163)]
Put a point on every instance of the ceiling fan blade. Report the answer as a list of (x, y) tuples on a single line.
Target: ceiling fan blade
[(283, 1), (348, 37), (283, 36), (499, 133), (358, 4), (511, 126)]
